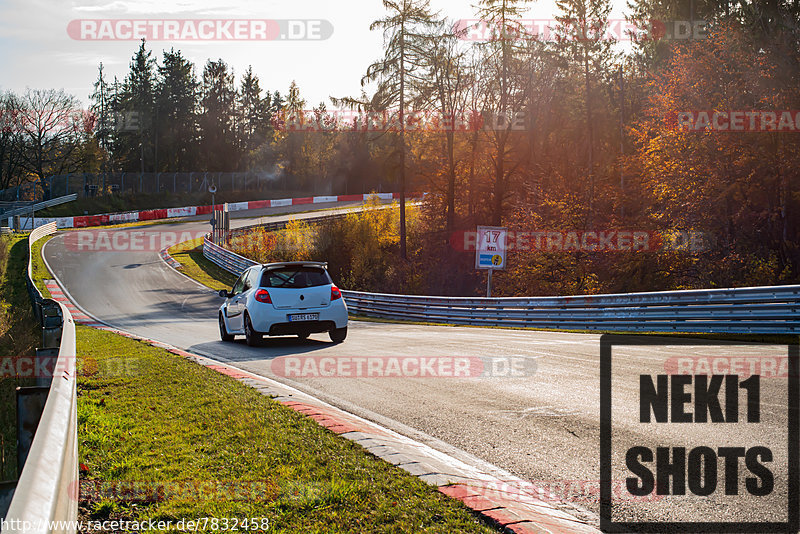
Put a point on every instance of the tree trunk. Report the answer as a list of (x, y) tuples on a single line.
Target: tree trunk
[(590, 128), (402, 145), (451, 182)]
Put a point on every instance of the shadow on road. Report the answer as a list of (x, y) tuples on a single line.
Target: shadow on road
[(268, 349)]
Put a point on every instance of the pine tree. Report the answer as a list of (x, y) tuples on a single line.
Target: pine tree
[(104, 119), (403, 29), (583, 43), (254, 113), (177, 107), (444, 89), (503, 94), (218, 104), (135, 103)]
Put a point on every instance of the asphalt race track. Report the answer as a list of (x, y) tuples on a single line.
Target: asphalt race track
[(543, 426)]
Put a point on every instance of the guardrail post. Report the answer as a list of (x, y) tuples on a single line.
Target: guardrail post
[(36, 301), (30, 405), (7, 488), (45, 365), (52, 323)]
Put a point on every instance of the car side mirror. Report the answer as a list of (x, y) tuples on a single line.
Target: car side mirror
[(224, 293)]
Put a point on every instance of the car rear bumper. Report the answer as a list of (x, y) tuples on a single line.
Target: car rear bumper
[(270, 321), (300, 327)]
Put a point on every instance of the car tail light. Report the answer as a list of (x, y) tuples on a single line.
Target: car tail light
[(262, 295), (335, 293)]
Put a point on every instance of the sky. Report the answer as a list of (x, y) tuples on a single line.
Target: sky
[(41, 44)]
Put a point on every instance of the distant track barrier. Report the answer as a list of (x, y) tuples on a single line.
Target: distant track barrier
[(87, 221)]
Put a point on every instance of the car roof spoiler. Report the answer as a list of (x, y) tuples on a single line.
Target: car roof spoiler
[(278, 265)]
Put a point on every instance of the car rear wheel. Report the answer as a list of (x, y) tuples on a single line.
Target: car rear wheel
[(251, 336), (223, 332), (338, 334)]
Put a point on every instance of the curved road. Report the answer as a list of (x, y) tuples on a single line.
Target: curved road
[(543, 427)]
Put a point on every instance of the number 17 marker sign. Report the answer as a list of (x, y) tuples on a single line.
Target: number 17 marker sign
[(490, 252)]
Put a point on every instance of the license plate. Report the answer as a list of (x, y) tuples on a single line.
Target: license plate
[(304, 317)]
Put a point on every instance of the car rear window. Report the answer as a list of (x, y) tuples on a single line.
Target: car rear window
[(295, 277)]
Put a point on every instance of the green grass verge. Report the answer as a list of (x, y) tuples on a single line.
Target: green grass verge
[(149, 416), (38, 267), (19, 335), (194, 265)]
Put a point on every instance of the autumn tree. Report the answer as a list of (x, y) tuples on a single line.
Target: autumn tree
[(739, 188), (52, 130), (11, 142)]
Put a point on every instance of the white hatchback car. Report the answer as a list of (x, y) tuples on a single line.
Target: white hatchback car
[(291, 298)]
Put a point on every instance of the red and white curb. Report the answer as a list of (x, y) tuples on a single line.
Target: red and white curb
[(78, 315), (85, 221), (169, 260), (503, 500)]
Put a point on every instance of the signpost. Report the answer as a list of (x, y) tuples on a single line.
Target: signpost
[(213, 189), (490, 251)]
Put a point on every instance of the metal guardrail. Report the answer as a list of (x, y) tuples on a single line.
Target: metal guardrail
[(33, 291), (762, 310), (25, 210), (230, 261), (45, 498)]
